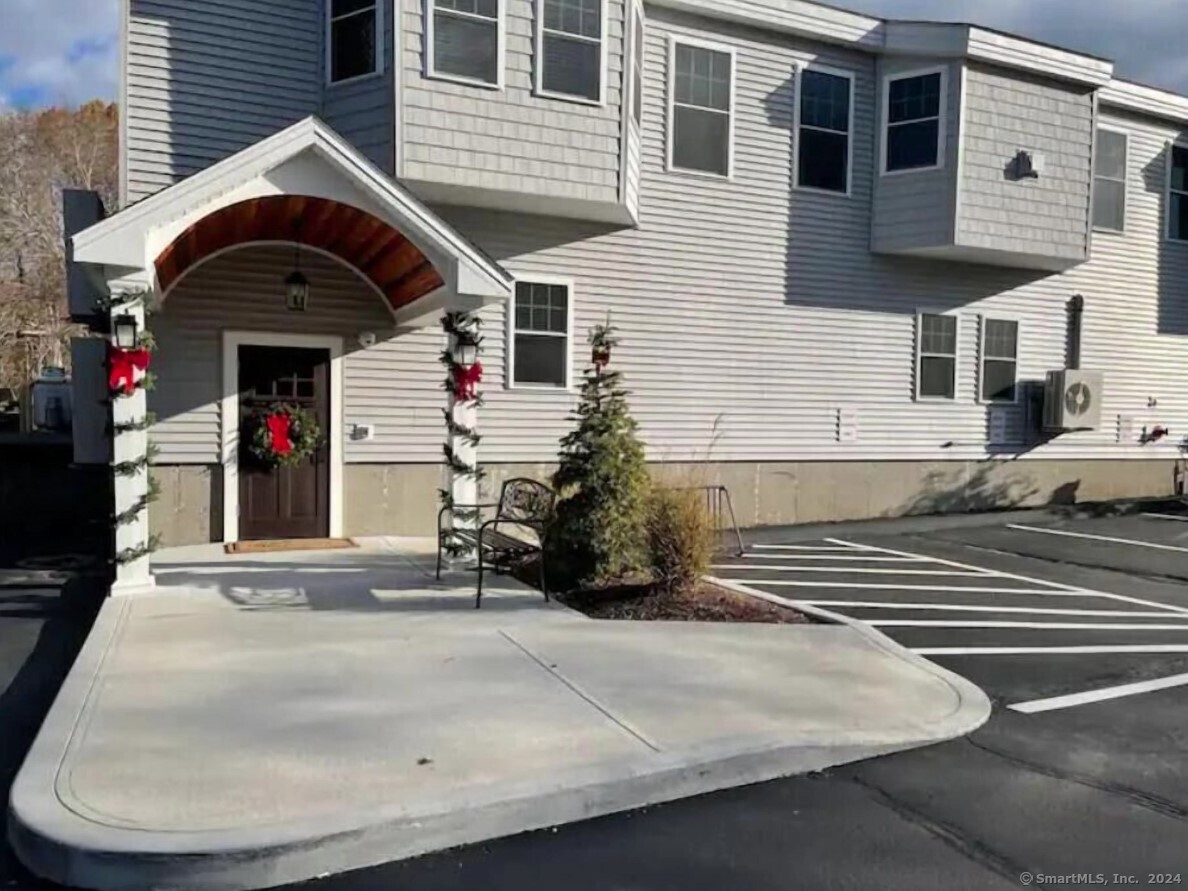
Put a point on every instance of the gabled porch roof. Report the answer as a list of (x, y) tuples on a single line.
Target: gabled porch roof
[(305, 185)]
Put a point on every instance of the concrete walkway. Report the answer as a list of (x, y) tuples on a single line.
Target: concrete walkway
[(263, 719)]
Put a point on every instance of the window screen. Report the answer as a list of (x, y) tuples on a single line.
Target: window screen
[(1109, 181), (936, 374), (701, 109), (466, 39), (541, 333), (352, 39), (1000, 352), (913, 122), (823, 157)]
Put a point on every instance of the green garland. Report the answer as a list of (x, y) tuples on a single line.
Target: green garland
[(461, 328), (304, 434)]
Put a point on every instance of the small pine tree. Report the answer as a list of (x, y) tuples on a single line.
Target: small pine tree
[(599, 530)]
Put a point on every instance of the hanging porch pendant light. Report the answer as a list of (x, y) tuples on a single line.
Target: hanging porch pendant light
[(297, 287)]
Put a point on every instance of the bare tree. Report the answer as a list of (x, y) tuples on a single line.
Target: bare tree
[(41, 153)]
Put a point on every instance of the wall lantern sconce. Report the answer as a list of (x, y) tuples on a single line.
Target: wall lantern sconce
[(297, 287), (125, 332), (466, 351)]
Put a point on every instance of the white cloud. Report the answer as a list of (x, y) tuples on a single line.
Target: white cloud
[(58, 51)]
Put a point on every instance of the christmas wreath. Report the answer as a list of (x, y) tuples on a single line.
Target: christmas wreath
[(284, 435)]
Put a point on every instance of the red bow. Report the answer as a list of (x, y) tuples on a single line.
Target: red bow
[(126, 368), (466, 381), (279, 426)]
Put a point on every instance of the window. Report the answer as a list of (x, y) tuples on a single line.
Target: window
[(702, 97), (1177, 194), (936, 363), (912, 109), (352, 46), (637, 62), (823, 135), (540, 334), (1000, 359), (465, 41), (1109, 181), (569, 48)]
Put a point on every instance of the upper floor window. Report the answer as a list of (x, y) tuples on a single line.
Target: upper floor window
[(823, 133), (637, 63), (1109, 181), (1177, 194), (539, 350), (465, 41), (352, 46), (936, 356), (1000, 359), (913, 108), (570, 48), (701, 96)]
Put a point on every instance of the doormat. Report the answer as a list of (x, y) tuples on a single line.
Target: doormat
[(289, 544)]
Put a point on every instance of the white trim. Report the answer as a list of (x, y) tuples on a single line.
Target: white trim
[(538, 56), (1125, 180), (125, 64), (1169, 155), (962, 132), (673, 41), (1099, 695), (941, 120), (638, 44), (229, 419), (509, 376), (919, 352), (429, 68), (982, 357), (377, 8), (797, 126)]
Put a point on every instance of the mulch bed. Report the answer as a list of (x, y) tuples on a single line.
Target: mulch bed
[(704, 603)]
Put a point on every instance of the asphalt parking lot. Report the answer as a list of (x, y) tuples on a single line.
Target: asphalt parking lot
[(1076, 626)]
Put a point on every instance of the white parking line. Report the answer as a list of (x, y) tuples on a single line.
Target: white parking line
[(966, 608), (1058, 626), (777, 547), (1045, 651), (1126, 541), (834, 555), (1058, 586), (1167, 517), (848, 570), (1101, 695), (879, 586)]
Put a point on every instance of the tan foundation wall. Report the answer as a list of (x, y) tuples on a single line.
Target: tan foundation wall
[(401, 499)]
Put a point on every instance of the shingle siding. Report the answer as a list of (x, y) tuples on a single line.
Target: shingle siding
[(363, 110), (1006, 112)]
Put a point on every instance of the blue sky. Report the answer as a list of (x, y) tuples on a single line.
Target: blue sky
[(66, 51)]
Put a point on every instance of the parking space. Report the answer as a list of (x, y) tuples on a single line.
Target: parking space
[(1055, 595)]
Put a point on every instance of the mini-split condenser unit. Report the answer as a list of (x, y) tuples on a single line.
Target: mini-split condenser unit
[(1072, 400)]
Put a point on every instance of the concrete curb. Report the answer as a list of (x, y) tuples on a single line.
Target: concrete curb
[(58, 838), (974, 706)]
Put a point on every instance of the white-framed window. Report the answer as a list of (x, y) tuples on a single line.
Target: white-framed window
[(998, 380), (353, 34), (936, 356), (571, 49), (700, 107), (1109, 179), (914, 120), (1177, 192), (540, 333), (464, 41), (637, 64), (824, 122)]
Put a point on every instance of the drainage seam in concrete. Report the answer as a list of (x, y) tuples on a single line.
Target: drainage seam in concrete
[(580, 692)]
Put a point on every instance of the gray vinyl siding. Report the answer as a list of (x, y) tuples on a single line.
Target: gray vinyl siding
[(206, 79), (511, 140), (1004, 113), (362, 111), (244, 291), (915, 209)]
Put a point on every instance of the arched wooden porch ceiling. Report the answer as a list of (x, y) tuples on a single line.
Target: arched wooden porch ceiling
[(381, 253)]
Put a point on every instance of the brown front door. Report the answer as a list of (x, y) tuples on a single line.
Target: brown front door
[(284, 502)]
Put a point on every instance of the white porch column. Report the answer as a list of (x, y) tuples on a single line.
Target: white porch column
[(463, 415), (131, 489)]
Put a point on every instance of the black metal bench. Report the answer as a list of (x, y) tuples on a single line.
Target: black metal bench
[(525, 505)]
